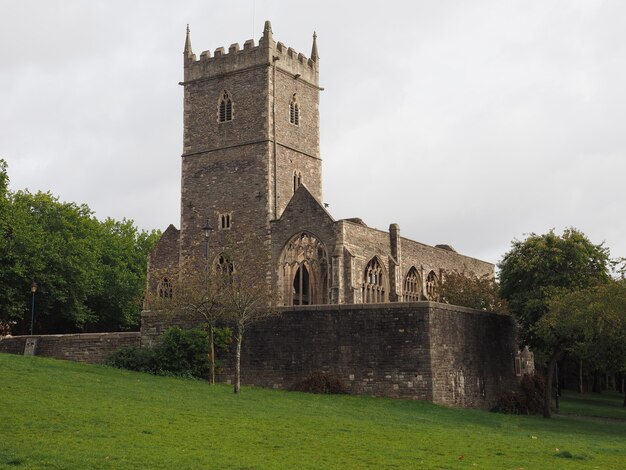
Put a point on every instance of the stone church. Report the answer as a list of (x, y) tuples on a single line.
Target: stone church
[(357, 302), (251, 165)]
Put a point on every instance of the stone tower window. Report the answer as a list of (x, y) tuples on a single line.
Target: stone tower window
[(432, 286), (412, 286), (224, 221), (164, 289), (225, 108), (297, 180), (374, 284), (294, 111)]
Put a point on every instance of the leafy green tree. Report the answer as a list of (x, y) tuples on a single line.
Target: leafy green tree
[(90, 274), (536, 269), (590, 324)]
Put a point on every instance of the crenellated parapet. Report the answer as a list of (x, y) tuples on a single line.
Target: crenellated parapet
[(267, 53)]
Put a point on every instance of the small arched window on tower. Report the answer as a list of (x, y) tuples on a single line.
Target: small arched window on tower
[(294, 111), (224, 221), (297, 180), (225, 112)]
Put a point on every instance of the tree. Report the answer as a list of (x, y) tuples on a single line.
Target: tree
[(246, 296), (193, 293), (470, 290), (536, 269), (589, 323), (90, 274)]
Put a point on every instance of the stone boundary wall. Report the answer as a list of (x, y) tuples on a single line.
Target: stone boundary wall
[(442, 353), (93, 348)]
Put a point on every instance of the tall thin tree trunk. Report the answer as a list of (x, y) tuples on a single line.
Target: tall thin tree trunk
[(547, 396), (212, 353), (580, 376), (238, 361)]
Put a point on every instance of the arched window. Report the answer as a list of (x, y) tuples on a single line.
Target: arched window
[(225, 108), (432, 286), (297, 180), (164, 289), (304, 271), (374, 283), (412, 286), (294, 111), (224, 266)]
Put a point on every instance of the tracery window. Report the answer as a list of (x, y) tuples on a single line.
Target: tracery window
[(374, 283), (164, 289), (432, 286), (297, 180), (224, 266), (412, 286), (294, 111), (304, 271), (225, 108)]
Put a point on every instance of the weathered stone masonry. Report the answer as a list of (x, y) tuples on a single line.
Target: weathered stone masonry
[(428, 351), (93, 348)]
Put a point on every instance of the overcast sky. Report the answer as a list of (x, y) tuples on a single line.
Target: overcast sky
[(469, 123)]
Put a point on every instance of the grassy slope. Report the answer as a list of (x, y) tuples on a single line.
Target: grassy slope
[(57, 414)]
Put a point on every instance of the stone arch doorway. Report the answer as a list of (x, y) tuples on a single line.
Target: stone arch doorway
[(304, 271)]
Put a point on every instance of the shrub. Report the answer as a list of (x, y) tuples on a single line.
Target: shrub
[(181, 353), (184, 352), (321, 382), (132, 358), (527, 400)]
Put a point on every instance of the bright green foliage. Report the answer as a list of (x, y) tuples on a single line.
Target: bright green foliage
[(90, 274), (590, 324), (75, 416), (535, 267)]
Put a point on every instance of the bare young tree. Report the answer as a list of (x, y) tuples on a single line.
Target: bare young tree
[(246, 295), (192, 293)]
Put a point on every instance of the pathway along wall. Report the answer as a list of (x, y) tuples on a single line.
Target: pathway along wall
[(424, 350)]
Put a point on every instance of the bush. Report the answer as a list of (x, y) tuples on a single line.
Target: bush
[(181, 353), (184, 352), (132, 358), (527, 400), (321, 382)]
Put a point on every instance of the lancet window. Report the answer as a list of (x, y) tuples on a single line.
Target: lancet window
[(432, 286), (374, 283), (297, 180), (412, 286), (304, 271), (294, 111), (224, 221), (225, 108)]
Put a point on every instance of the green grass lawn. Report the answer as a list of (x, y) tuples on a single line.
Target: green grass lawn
[(57, 414)]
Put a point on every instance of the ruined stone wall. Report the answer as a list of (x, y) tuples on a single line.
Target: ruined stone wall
[(163, 259), (93, 348), (437, 259), (428, 351)]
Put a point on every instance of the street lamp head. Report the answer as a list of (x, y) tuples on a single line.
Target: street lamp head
[(33, 287), (207, 229)]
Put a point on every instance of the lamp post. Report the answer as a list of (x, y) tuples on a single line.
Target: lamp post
[(207, 233), (33, 289)]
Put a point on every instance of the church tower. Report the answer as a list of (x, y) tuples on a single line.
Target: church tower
[(251, 137)]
